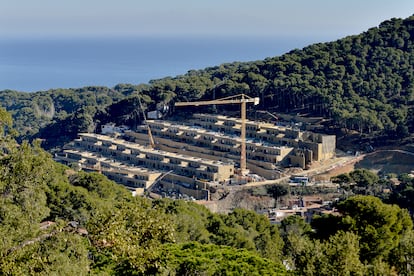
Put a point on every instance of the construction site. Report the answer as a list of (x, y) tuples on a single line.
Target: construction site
[(192, 157)]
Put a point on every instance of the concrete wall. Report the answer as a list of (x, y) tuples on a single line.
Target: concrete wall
[(328, 146), (298, 160), (266, 173), (197, 194)]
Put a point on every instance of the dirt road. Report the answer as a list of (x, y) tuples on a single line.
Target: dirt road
[(389, 160)]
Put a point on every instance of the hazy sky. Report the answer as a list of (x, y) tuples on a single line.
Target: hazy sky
[(319, 18)]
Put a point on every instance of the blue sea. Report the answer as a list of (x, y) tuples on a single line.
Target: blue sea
[(38, 64)]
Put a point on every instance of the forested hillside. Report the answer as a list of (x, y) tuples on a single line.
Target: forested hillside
[(57, 221), (33, 111), (362, 82)]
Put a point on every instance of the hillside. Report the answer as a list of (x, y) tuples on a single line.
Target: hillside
[(363, 83), (33, 111), (55, 220)]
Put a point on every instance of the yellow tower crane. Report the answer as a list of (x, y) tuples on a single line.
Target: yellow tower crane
[(241, 99)]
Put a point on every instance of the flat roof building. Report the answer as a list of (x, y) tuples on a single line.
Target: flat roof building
[(322, 146), (217, 136), (91, 149), (205, 151)]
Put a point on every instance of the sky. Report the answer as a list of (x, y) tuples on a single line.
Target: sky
[(290, 18)]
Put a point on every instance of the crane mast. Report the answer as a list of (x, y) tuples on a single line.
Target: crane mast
[(150, 137), (242, 100)]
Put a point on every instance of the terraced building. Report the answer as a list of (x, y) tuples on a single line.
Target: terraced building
[(190, 157)]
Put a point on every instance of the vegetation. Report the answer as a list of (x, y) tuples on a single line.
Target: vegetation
[(58, 221), (195, 259), (54, 220), (403, 194), (362, 82), (365, 239), (59, 112)]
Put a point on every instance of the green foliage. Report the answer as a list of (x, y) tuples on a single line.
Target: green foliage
[(190, 219), (403, 194), (369, 238), (5, 120), (364, 177), (403, 255), (362, 82), (365, 182), (64, 253), (197, 259), (246, 229), (124, 233), (63, 130), (277, 191), (23, 178), (380, 226), (342, 179), (327, 225), (294, 232), (98, 185), (26, 173), (33, 112), (70, 203), (127, 239), (342, 251), (339, 256), (239, 229), (294, 224)]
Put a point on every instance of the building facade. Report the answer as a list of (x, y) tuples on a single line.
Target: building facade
[(137, 166), (268, 146)]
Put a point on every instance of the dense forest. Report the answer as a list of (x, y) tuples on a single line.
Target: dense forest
[(33, 111), (57, 221), (362, 82)]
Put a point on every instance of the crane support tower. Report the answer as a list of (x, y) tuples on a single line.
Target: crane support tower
[(150, 137), (241, 99)]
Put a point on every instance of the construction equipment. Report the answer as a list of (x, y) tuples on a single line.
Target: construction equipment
[(159, 178), (151, 139), (268, 113), (241, 99)]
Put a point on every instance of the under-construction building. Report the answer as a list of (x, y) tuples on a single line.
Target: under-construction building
[(137, 166), (268, 147), (205, 150), (322, 146)]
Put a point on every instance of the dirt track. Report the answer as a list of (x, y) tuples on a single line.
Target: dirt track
[(384, 161)]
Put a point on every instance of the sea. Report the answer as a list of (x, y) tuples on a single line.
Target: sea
[(38, 64)]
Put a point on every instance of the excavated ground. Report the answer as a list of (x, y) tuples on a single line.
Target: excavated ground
[(383, 161)]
